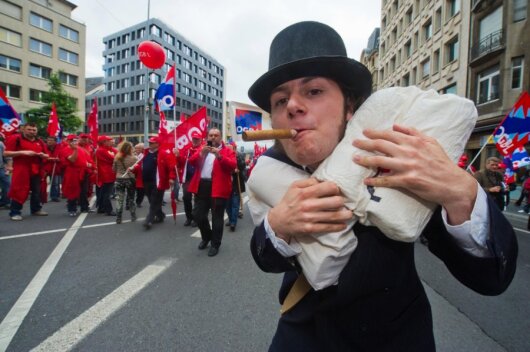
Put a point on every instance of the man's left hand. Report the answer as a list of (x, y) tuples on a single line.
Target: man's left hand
[(419, 164)]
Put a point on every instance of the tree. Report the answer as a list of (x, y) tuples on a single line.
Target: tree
[(64, 103)]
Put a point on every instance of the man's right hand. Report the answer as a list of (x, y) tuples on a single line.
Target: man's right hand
[(309, 207)]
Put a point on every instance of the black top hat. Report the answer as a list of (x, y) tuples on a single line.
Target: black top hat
[(309, 49)]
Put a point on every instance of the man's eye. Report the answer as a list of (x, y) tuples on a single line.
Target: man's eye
[(315, 91), (280, 102)]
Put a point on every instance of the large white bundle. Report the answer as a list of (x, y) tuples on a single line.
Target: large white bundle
[(398, 214)]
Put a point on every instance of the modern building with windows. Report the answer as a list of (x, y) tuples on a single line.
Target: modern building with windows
[(200, 80), (424, 43), (498, 64), (38, 37)]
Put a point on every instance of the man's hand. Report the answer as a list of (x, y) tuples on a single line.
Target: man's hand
[(176, 152), (205, 150), (419, 164), (171, 182), (309, 207), (43, 155), (214, 151), (494, 189)]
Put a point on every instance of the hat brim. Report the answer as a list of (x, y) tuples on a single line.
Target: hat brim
[(343, 70)]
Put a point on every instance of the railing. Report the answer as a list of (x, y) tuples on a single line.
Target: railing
[(492, 42)]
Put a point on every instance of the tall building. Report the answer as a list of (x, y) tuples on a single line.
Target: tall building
[(498, 64), (425, 43), (370, 57), (200, 80), (38, 37)]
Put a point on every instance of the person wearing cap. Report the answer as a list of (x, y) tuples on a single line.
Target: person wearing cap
[(188, 170), (379, 303), (85, 142), (29, 154), (106, 176), (158, 173), (76, 164), (238, 187), (212, 185)]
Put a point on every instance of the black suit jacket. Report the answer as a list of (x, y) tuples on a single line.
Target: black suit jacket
[(379, 303)]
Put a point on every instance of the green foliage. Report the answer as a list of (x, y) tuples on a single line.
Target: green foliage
[(64, 103)]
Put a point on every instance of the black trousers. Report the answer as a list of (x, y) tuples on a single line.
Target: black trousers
[(105, 206), (140, 194), (34, 200), (187, 198), (155, 197), (203, 203), (83, 196)]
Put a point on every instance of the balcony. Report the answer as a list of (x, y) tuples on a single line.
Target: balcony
[(492, 43), (479, 5)]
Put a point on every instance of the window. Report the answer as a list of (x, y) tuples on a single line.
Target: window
[(40, 22), (408, 49), (10, 63), (10, 37), (10, 9), (488, 85), (436, 61), (68, 56), (438, 19), (154, 78), (155, 30), (426, 68), (490, 24), (36, 95), (451, 49), (427, 30), (10, 90), (169, 38), (453, 7), (68, 79), (170, 54), (517, 72), (39, 71), (40, 47), (69, 33), (451, 89), (405, 81), (519, 10)]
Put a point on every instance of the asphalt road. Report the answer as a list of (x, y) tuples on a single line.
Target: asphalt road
[(87, 284)]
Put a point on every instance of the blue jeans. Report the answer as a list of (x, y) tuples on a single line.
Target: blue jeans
[(5, 182), (232, 208)]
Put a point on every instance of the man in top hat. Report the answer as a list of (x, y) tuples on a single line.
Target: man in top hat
[(106, 176), (77, 164), (29, 154), (212, 185), (379, 303), (158, 173)]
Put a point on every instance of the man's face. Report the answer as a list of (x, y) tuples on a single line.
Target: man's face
[(29, 132), (314, 107), (73, 142), (51, 142), (83, 141), (153, 146), (492, 165), (138, 150), (196, 142), (215, 136), (108, 143)]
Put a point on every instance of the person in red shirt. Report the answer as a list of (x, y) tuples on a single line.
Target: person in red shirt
[(187, 174), (77, 164), (106, 176), (212, 186), (53, 168), (28, 153), (85, 141)]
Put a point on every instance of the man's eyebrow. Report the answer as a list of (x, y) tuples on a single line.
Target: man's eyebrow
[(283, 88)]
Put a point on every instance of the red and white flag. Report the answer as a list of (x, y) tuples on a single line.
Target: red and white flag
[(198, 122), (162, 127), (92, 122), (53, 122)]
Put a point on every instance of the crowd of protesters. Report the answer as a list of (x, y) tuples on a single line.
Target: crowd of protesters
[(210, 173)]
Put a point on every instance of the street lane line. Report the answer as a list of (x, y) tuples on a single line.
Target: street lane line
[(75, 331), (31, 234), (15, 317), (518, 229)]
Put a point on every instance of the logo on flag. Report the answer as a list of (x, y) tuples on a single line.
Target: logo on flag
[(9, 119), (247, 120), (513, 132), (165, 94)]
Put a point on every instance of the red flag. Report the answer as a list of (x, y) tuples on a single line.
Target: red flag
[(53, 122), (9, 119), (182, 118), (195, 123), (514, 130), (92, 122), (162, 127)]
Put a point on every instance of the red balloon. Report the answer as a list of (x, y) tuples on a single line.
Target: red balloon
[(151, 54)]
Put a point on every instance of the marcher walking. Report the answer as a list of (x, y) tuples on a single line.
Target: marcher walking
[(125, 180)]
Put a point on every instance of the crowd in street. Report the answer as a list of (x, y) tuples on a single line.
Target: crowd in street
[(210, 173)]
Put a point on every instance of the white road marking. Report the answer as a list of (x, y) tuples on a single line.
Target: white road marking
[(75, 331), (15, 317), (31, 234)]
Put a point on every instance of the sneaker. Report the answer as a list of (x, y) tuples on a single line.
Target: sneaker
[(73, 214), (193, 223), (133, 217), (40, 213), (57, 200), (187, 222), (118, 220), (16, 217), (521, 211)]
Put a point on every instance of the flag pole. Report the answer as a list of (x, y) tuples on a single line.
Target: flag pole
[(479, 152), (147, 109)]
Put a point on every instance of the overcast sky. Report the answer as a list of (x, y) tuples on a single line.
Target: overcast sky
[(237, 33)]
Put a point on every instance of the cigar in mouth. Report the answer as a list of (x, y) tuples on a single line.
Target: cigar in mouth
[(262, 135)]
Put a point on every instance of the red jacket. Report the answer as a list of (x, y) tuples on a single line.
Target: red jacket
[(74, 172), (221, 172), (166, 168), (24, 166), (104, 159)]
